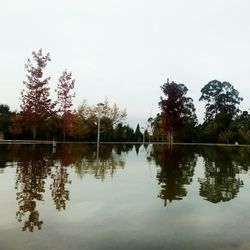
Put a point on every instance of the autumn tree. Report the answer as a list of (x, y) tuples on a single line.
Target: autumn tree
[(36, 104), (111, 116), (80, 127), (111, 112), (176, 108), (64, 100), (16, 125)]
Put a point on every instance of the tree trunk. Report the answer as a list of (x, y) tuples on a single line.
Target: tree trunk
[(34, 133)]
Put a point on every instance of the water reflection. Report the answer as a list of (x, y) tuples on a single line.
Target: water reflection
[(176, 170), (85, 160), (222, 166), (36, 166), (32, 170), (39, 169), (222, 169), (59, 192)]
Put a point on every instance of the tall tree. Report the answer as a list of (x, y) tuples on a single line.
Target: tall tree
[(36, 105), (138, 136), (64, 97), (176, 107), (5, 115), (220, 97)]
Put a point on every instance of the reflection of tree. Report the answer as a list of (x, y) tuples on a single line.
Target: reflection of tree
[(176, 170), (59, 193), (137, 148), (35, 164), (109, 159), (123, 148), (221, 168), (31, 172)]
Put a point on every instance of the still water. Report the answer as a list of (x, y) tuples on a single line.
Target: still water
[(124, 197)]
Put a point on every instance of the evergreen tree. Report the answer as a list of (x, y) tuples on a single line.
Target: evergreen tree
[(138, 136)]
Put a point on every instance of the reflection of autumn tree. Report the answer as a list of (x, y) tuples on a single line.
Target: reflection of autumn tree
[(59, 193), (176, 170), (35, 164), (221, 182), (109, 159), (31, 172), (8, 154), (69, 153)]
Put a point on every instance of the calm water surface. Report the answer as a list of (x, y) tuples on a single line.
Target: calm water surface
[(124, 197)]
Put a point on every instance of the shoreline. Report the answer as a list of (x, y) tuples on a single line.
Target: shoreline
[(47, 142)]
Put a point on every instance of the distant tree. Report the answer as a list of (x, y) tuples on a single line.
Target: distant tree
[(138, 136), (113, 113), (16, 125), (176, 108), (36, 105), (110, 116), (123, 133), (220, 97), (4, 109), (156, 128), (241, 128), (64, 100), (5, 115), (226, 136), (80, 128)]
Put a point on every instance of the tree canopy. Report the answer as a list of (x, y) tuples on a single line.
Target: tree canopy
[(36, 103), (220, 97), (176, 107)]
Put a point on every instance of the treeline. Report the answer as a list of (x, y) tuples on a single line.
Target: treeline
[(224, 122), (42, 118), (82, 127)]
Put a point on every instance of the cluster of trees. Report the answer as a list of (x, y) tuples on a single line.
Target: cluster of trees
[(224, 122), (42, 118)]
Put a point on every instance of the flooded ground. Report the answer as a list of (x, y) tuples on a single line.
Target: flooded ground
[(124, 197)]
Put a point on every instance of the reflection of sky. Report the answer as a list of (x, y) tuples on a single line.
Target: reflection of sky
[(124, 212)]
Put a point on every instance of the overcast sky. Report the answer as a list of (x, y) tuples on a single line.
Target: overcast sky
[(126, 49)]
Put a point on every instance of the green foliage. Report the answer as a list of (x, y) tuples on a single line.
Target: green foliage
[(4, 109), (220, 97), (123, 133), (138, 136), (226, 136)]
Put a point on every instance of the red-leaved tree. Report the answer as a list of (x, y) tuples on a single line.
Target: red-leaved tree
[(36, 105), (176, 107), (64, 100)]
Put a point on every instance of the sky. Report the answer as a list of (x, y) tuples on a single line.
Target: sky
[(126, 49)]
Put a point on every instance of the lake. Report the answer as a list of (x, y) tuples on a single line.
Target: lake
[(124, 197)]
